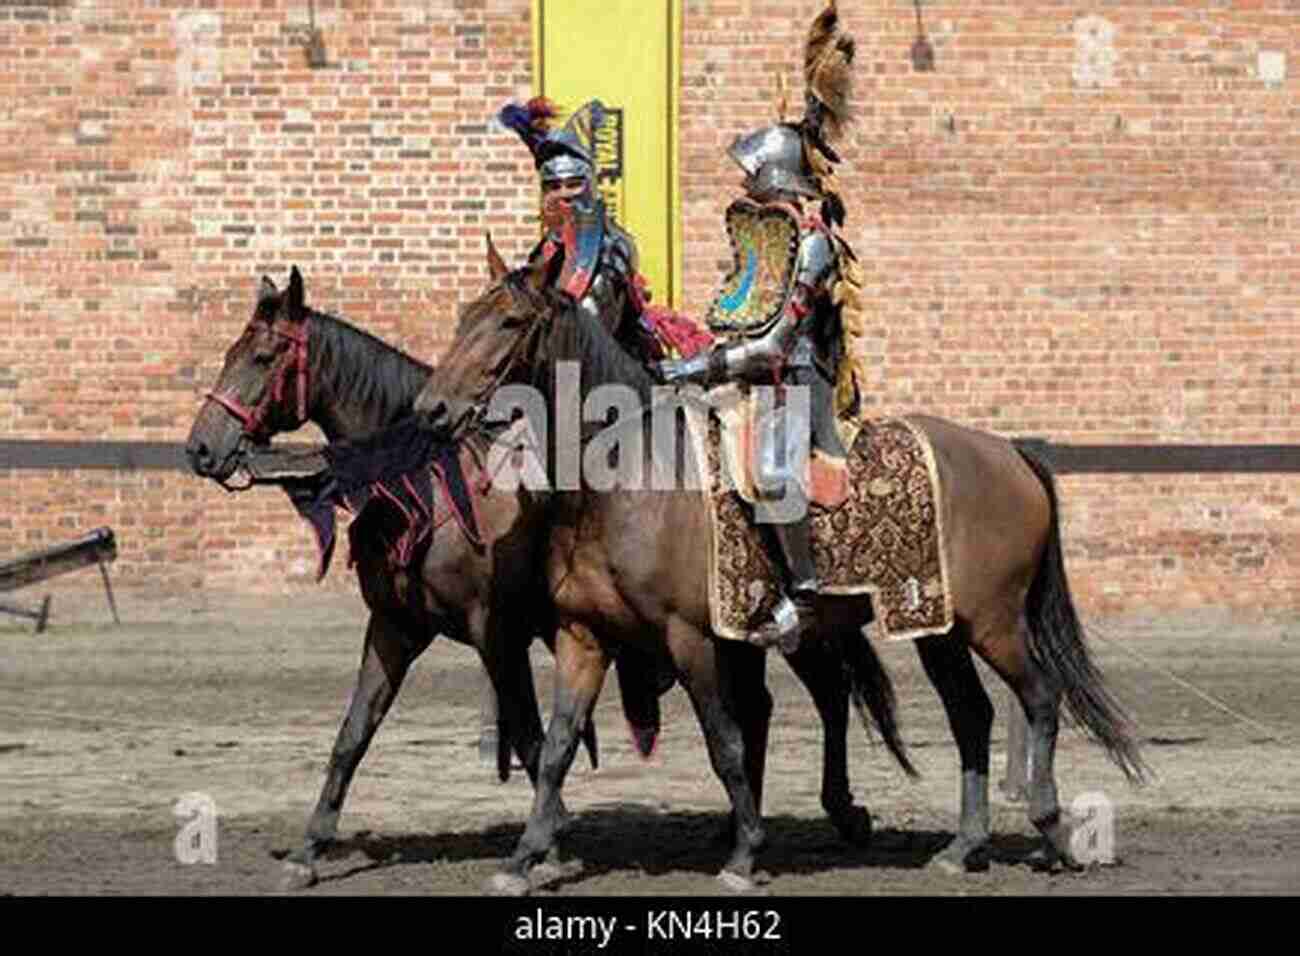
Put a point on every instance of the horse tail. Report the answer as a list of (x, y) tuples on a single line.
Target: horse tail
[(590, 744), (639, 688), (872, 691), (1056, 645)]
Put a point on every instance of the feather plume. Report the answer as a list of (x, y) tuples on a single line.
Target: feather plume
[(828, 59), (531, 121)]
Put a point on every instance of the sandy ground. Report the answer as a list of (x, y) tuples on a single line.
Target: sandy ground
[(103, 729)]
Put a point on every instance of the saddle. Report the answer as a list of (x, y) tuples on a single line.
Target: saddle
[(879, 533)]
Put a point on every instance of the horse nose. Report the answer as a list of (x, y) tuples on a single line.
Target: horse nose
[(200, 457)]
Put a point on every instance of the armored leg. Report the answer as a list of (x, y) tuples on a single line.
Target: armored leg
[(783, 454), (795, 539)]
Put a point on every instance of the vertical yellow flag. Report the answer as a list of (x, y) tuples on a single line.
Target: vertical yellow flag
[(625, 53)]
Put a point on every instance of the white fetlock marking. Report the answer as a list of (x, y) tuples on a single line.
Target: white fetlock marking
[(735, 882), (507, 884), (299, 875)]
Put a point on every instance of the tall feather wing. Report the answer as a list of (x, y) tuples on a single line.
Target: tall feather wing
[(828, 75)]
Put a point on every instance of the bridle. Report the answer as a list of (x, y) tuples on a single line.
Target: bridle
[(293, 361), (475, 419)]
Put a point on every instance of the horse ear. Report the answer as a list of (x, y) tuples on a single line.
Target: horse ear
[(295, 294), (266, 290), (496, 265), (543, 272)]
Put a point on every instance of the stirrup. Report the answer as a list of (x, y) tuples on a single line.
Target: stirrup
[(791, 619)]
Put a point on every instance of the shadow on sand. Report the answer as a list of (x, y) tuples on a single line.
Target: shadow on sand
[(636, 839)]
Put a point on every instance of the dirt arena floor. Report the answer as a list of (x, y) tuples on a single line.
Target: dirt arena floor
[(103, 729)]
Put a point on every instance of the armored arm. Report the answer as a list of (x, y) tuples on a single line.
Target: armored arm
[(762, 356)]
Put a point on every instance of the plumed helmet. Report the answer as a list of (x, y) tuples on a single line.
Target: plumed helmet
[(773, 160), (565, 153), (563, 156), (798, 157)]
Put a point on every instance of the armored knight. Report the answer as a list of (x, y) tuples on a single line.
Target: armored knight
[(600, 267), (779, 316)]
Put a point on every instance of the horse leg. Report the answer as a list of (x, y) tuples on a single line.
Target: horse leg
[(823, 674), (387, 656), (703, 668), (488, 734), (580, 667), (948, 663), (1015, 785), (518, 724), (751, 702), (1040, 699)]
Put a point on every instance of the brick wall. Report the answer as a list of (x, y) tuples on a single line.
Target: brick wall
[(1081, 229)]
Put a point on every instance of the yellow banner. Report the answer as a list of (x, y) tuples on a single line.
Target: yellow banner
[(625, 53)]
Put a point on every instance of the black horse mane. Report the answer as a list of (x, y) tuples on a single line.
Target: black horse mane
[(362, 370), (573, 336), (579, 337)]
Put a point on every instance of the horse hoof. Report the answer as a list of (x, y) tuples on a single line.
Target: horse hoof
[(548, 871), (736, 883), (947, 867), (544, 873), (508, 884), (1057, 848), (1049, 859), (298, 876), (962, 858), (853, 825)]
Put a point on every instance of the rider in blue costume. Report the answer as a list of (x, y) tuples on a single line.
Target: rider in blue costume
[(600, 269)]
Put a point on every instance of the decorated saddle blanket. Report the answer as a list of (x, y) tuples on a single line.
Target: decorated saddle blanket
[(882, 535), (405, 466)]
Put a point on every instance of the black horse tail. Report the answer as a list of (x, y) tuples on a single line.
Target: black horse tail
[(640, 687), (873, 696), (1056, 644)]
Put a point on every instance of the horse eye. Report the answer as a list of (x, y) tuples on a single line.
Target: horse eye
[(263, 358)]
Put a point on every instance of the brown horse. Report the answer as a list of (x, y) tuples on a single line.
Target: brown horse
[(293, 365), (628, 567)]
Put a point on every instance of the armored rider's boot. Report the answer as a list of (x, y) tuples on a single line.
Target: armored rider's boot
[(795, 615)]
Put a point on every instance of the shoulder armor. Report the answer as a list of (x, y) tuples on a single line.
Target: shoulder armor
[(602, 301), (817, 259), (621, 250)]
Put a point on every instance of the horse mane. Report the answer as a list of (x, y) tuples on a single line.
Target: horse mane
[(476, 309), (580, 337), (362, 370), (575, 335), (470, 312)]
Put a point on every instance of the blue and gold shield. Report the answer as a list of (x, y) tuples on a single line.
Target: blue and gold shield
[(765, 252)]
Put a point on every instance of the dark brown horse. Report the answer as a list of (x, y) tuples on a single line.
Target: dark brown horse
[(628, 567), (292, 365)]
